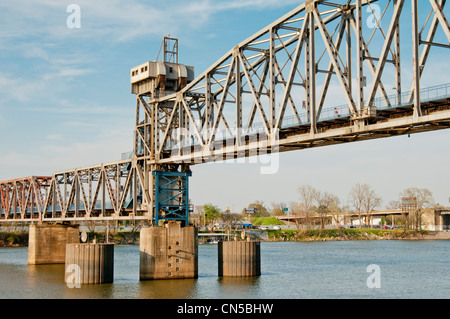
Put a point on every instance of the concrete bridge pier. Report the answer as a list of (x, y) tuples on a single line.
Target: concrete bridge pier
[(47, 242), (168, 252), (89, 263), (239, 258)]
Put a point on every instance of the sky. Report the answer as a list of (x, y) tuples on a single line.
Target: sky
[(65, 100)]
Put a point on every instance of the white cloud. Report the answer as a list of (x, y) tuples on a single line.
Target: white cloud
[(56, 153), (67, 73), (106, 20), (255, 4), (18, 88)]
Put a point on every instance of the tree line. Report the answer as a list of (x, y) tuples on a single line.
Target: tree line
[(317, 207)]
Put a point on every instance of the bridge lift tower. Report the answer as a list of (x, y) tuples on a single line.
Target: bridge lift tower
[(167, 184)]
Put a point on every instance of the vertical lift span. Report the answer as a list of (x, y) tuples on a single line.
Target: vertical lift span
[(168, 248)]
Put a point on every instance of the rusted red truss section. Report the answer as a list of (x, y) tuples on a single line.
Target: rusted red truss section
[(24, 198), (100, 192)]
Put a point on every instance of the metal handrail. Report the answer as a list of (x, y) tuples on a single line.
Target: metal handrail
[(341, 111)]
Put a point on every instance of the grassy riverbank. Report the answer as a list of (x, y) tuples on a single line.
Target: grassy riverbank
[(18, 239), (351, 234)]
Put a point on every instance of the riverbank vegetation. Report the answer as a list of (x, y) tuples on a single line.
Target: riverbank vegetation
[(20, 239), (266, 221), (13, 239), (344, 234), (319, 209), (311, 217)]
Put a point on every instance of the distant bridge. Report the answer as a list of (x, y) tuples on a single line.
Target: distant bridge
[(437, 218), (345, 216)]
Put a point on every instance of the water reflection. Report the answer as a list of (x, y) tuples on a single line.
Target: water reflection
[(168, 289), (289, 270), (238, 287), (47, 281)]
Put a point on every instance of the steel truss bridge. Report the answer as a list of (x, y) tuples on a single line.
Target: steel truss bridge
[(317, 76)]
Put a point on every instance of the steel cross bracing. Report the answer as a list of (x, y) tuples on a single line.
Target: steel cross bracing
[(24, 198), (278, 86), (319, 75)]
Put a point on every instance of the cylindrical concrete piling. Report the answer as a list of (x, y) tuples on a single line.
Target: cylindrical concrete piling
[(89, 263), (239, 258), (168, 252)]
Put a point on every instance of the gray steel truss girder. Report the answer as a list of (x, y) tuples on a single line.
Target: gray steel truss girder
[(262, 75), (251, 87)]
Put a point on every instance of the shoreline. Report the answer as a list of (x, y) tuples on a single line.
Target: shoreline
[(20, 239), (356, 234)]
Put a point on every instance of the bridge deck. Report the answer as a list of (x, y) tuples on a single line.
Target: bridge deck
[(261, 79), (20, 197), (335, 125)]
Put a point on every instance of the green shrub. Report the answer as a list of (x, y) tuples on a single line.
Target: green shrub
[(264, 221), (282, 234), (14, 238)]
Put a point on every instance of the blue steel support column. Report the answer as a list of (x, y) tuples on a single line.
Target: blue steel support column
[(171, 196), (186, 198), (156, 202)]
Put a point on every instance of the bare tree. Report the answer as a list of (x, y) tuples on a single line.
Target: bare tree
[(394, 204), (338, 213), (230, 220), (197, 216), (326, 203), (296, 209), (278, 208), (416, 199), (371, 202), (356, 199), (364, 200), (308, 198)]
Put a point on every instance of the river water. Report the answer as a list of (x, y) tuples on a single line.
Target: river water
[(289, 270)]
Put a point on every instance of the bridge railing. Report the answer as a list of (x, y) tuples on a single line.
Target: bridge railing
[(332, 113), (432, 93)]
